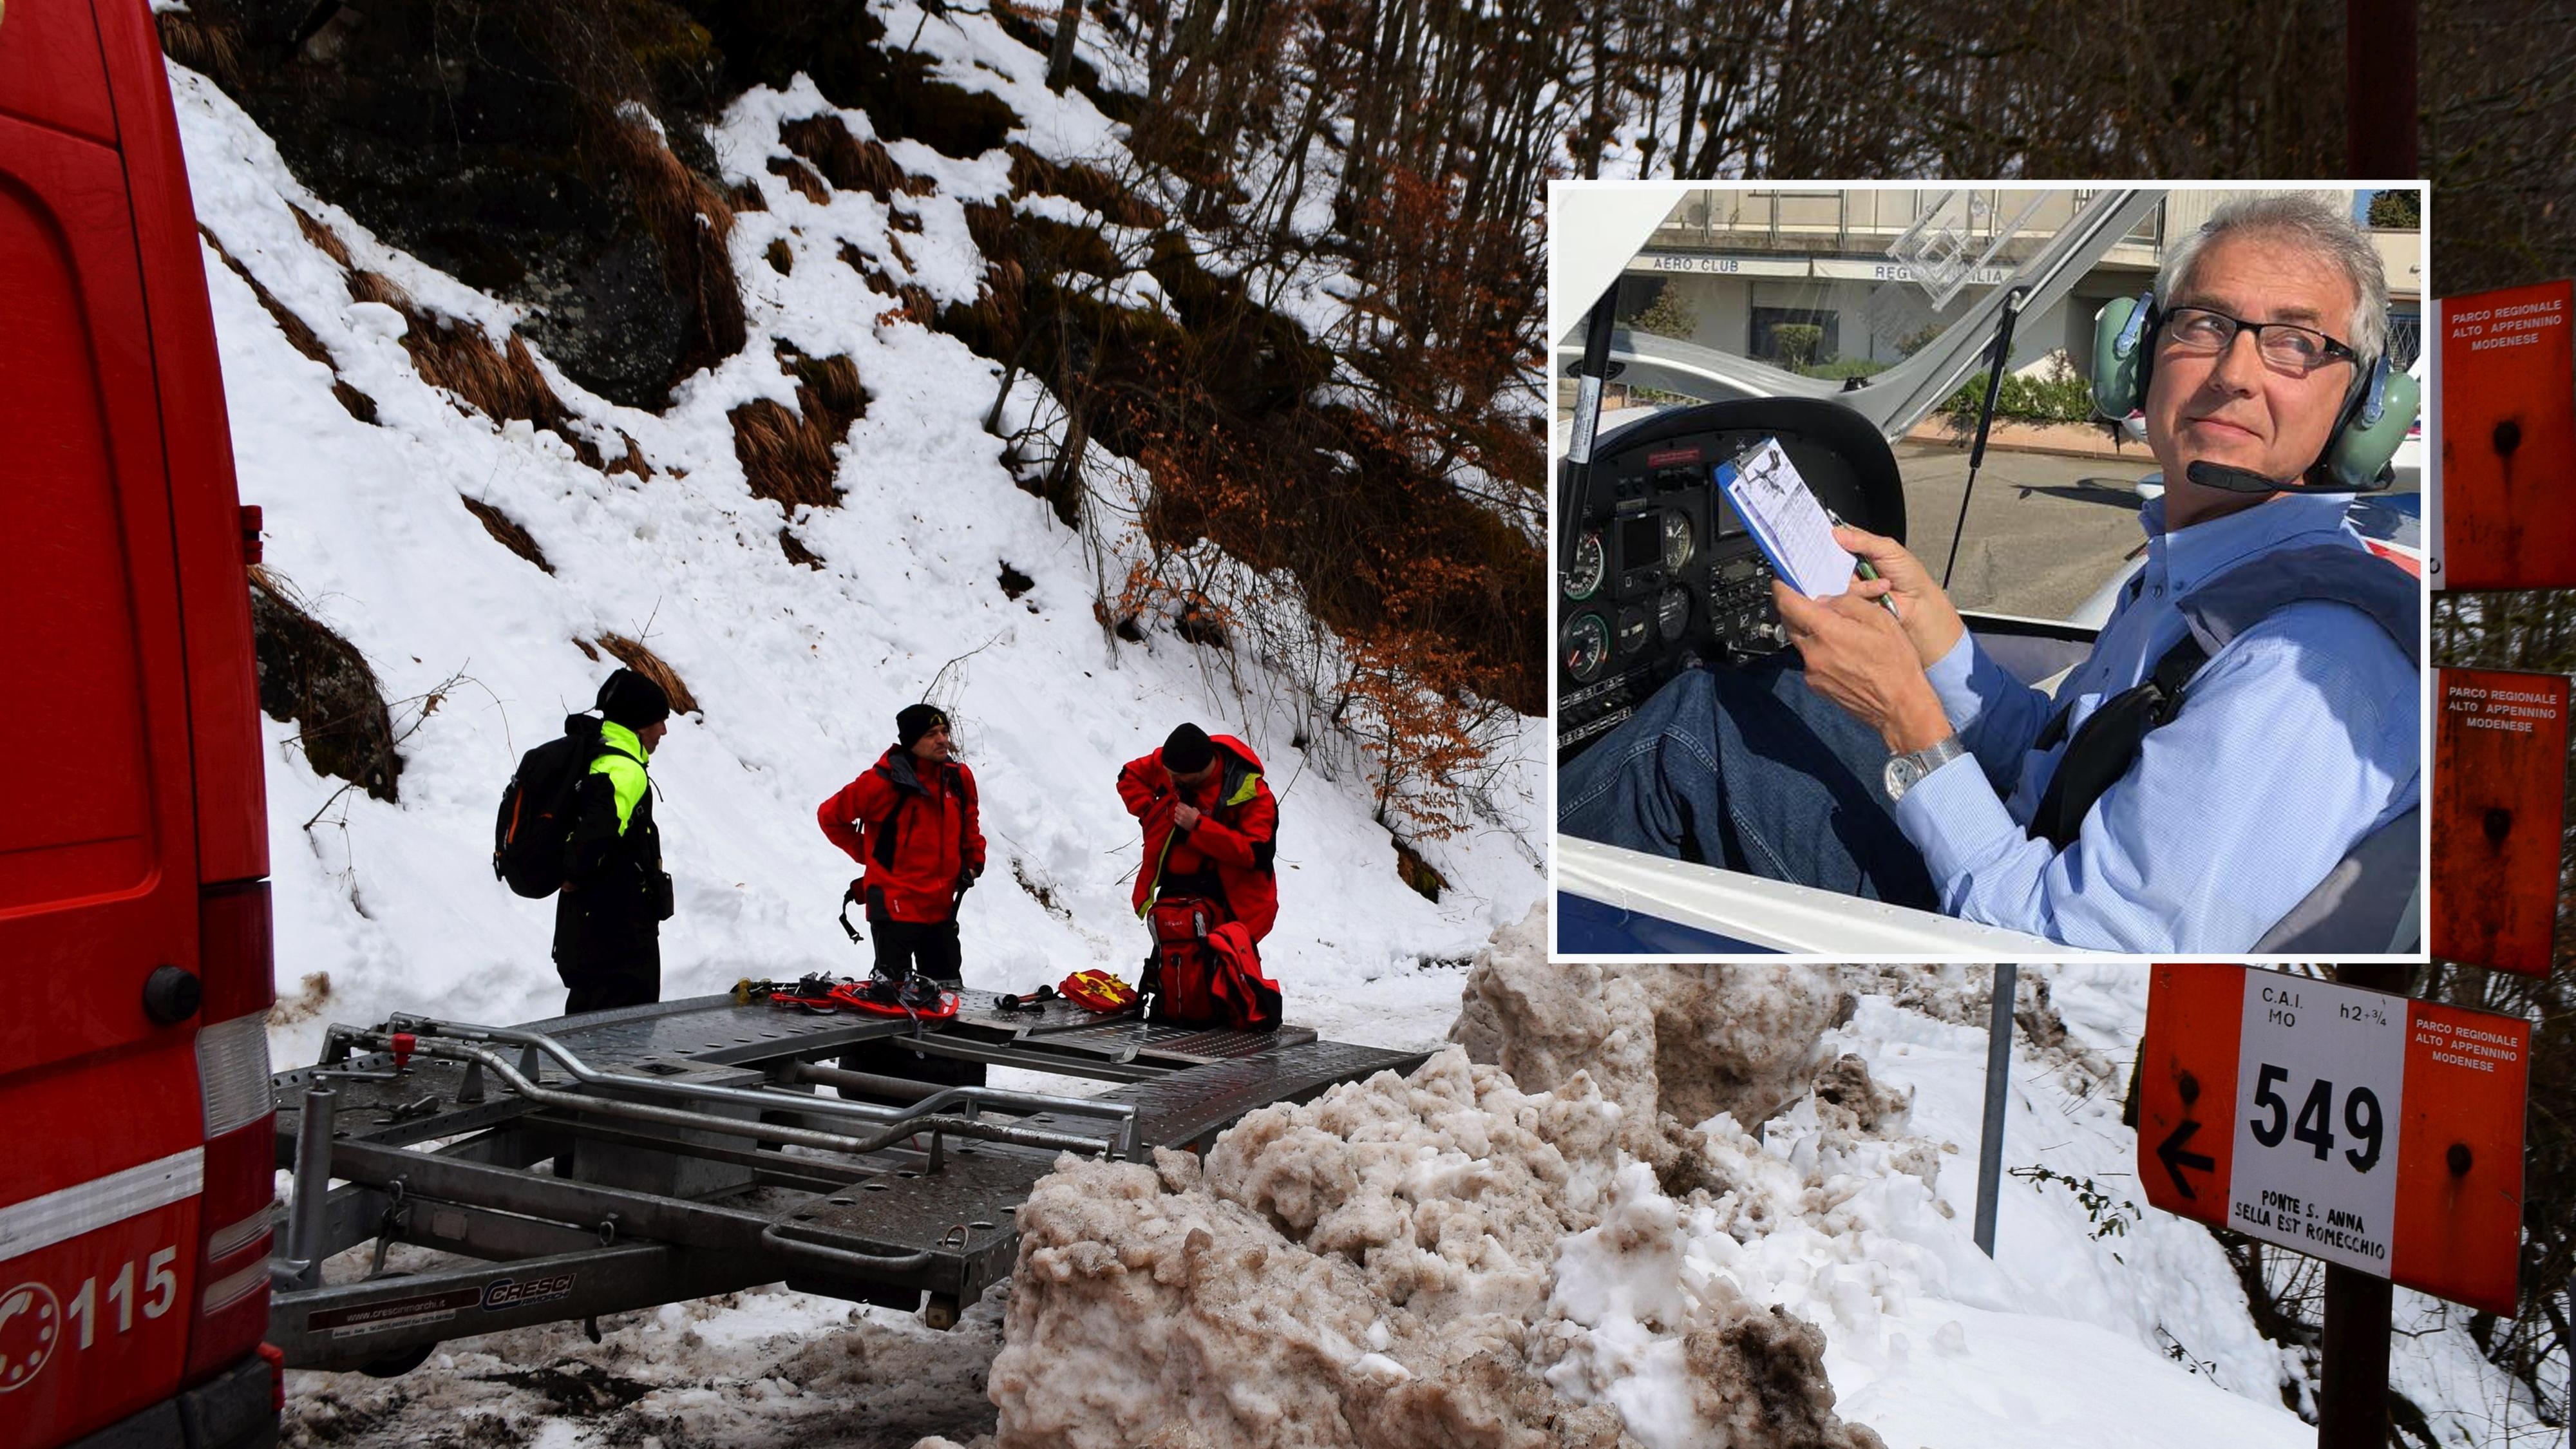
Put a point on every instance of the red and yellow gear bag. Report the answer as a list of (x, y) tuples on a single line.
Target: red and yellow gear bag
[(1097, 991)]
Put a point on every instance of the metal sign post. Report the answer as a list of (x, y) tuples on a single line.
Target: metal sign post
[(1990, 1145), (2352, 1347), (2352, 1360), (2379, 62)]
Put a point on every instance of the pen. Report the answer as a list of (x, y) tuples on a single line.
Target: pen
[(1861, 566)]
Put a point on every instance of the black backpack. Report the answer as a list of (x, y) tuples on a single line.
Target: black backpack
[(535, 823)]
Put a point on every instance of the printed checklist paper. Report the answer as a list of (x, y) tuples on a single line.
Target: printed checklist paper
[(1787, 520)]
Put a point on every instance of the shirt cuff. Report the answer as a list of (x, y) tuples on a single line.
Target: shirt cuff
[(1950, 675), (1953, 816)]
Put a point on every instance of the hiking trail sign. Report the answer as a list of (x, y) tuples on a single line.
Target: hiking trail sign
[(2499, 792), (2370, 1130)]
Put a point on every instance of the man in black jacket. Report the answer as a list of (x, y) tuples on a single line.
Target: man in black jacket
[(608, 920)]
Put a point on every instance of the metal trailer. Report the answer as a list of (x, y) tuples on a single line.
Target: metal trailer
[(622, 1159)]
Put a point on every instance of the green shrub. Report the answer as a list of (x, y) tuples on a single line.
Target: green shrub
[(1666, 316), (1797, 342), (2058, 396), (1846, 367)]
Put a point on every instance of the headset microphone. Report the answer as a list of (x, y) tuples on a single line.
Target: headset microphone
[(2232, 480), (2246, 480)]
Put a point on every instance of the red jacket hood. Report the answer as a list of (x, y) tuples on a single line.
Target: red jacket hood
[(1229, 744)]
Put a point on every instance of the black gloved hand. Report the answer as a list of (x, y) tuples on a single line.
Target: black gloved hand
[(965, 880)]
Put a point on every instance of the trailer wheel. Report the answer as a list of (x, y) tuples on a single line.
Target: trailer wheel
[(940, 1312)]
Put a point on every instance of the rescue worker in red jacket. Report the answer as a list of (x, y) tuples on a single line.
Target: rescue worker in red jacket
[(922, 846), (1211, 826)]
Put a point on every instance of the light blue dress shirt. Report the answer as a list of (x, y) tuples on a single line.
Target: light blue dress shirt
[(2298, 738)]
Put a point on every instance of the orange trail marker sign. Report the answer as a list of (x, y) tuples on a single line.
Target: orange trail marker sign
[(2370, 1130), (2508, 437), (2499, 798)]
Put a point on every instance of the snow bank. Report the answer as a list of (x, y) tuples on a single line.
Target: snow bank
[(1443, 1258), (1673, 1045), (1521, 1248), (1360, 1271)]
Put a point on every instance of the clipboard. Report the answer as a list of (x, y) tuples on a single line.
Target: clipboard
[(1789, 523)]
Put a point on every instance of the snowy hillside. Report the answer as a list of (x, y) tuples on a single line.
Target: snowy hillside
[(798, 670)]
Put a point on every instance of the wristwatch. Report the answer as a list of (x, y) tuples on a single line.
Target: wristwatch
[(1904, 772)]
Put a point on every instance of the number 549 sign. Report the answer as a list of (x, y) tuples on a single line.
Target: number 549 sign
[(2370, 1130)]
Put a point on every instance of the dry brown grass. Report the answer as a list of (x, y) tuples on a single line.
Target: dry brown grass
[(298, 336), (208, 46), (787, 456), (802, 179), (366, 286), (649, 664), (848, 162), (780, 256), (501, 382), (991, 323), (1058, 248), (506, 531), (1417, 873), (795, 549), (322, 237), (913, 302), (1087, 184), (634, 462)]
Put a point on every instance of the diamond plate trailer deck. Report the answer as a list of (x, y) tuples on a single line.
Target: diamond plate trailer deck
[(622, 1159)]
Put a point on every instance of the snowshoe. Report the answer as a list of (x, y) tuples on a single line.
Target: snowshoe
[(914, 996), (812, 993)]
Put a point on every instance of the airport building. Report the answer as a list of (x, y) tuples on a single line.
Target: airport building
[(1803, 276)]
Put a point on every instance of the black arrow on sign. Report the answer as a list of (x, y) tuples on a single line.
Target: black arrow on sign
[(2170, 1152)]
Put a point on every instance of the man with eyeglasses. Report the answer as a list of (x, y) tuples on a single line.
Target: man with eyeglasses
[(2269, 657)]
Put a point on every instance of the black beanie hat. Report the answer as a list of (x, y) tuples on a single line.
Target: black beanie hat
[(915, 720), (1186, 750), (633, 700)]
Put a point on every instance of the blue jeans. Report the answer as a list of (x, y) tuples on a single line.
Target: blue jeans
[(1749, 770)]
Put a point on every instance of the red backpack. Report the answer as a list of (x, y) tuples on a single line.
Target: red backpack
[(1205, 971)]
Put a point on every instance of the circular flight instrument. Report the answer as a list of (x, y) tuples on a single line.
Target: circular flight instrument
[(1677, 540), (1586, 647), (1672, 613), (1633, 631), (1583, 573)]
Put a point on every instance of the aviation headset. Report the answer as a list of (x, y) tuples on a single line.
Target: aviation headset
[(2378, 407)]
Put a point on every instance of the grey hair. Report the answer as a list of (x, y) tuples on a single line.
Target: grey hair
[(2308, 219)]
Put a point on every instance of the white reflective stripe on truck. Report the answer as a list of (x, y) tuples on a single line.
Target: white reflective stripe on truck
[(41, 1222)]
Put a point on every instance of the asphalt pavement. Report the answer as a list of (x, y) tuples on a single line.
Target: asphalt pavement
[(2043, 532)]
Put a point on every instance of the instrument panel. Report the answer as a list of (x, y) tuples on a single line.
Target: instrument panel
[(1660, 575)]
